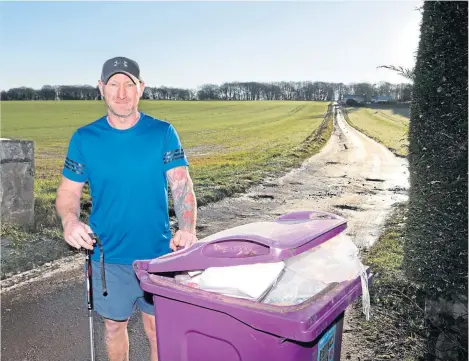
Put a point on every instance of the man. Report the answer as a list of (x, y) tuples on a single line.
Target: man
[(128, 158)]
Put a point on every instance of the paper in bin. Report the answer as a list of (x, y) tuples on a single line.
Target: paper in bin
[(194, 273), (244, 281)]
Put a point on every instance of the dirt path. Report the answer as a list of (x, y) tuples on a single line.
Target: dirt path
[(45, 318)]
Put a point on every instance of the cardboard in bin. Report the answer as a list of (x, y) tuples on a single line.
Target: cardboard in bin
[(197, 325)]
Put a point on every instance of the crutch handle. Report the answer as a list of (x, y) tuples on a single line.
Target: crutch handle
[(103, 278)]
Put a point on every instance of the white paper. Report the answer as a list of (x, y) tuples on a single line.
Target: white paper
[(249, 281)]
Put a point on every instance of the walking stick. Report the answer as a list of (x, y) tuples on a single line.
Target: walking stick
[(89, 289)]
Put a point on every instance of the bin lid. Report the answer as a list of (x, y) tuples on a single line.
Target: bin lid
[(270, 241)]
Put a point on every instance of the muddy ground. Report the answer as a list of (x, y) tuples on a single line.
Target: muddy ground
[(43, 314)]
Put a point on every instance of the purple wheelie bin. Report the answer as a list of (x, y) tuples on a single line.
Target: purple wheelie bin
[(197, 325)]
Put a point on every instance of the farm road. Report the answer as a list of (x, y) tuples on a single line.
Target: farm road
[(45, 319)]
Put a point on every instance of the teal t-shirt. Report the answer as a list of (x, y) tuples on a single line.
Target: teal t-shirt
[(125, 170)]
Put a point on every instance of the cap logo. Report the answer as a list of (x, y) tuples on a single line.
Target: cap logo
[(117, 62)]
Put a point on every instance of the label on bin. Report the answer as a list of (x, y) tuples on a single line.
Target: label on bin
[(326, 345)]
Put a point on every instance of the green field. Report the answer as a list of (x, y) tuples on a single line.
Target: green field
[(229, 144), (388, 126)]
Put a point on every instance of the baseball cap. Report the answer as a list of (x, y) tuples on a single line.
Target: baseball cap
[(120, 64)]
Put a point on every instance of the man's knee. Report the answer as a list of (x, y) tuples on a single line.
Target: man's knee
[(114, 328), (149, 325)]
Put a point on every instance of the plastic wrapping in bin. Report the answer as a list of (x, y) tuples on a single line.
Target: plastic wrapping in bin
[(292, 289), (199, 325), (336, 260)]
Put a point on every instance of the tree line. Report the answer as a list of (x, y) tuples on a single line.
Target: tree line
[(307, 90)]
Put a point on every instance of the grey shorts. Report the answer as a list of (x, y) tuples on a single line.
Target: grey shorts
[(124, 294)]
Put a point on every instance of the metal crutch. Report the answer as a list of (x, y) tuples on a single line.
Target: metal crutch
[(89, 289)]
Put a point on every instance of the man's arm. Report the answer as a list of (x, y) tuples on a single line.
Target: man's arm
[(185, 205), (67, 202), (67, 205)]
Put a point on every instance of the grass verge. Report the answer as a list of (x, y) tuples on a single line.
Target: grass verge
[(395, 330), (389, 127)]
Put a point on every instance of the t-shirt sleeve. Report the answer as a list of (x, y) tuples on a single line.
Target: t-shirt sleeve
[(173, 151), (75, 163)]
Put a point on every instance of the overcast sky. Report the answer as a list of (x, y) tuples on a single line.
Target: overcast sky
[(188, 44)]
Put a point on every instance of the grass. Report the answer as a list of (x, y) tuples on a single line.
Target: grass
[(388, 126), (230, 145), (395, 301)]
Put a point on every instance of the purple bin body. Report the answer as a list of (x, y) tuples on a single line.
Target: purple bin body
[(197, 325)]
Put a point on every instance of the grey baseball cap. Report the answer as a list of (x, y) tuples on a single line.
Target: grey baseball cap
[(120, 64)]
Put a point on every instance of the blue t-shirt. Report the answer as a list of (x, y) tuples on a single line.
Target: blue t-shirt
[(125, 170)]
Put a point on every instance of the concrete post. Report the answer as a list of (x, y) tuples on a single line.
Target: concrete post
[(17, 181)]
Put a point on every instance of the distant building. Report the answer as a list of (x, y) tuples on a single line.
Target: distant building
[(358, 98), (382, 99)]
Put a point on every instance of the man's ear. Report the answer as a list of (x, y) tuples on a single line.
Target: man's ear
[(101, 87), (141, 88)]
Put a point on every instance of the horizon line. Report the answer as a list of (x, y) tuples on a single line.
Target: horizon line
[(213, 84)]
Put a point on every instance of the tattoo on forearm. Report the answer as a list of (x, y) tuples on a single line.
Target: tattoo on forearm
[(185, 205)]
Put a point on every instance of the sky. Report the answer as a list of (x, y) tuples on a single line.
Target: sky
[(188, 44)]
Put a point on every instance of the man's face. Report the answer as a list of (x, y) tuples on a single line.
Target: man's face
[(121, 95)]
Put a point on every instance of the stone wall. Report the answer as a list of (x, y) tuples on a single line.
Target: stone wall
[(17, 181)]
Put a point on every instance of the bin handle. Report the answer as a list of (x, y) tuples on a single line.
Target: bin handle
[(219, 253), (216, 249), (227, 251), (232, 249)]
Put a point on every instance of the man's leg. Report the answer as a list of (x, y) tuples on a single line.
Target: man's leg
[(116, 339), (145, 304), (150, 330), (116, 307)]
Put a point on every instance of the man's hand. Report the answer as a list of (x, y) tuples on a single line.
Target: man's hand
[(182, 239), (76, 234)]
